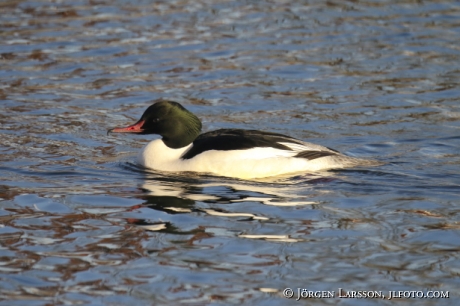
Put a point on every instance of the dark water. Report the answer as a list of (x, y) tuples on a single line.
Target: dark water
[(80, 224)]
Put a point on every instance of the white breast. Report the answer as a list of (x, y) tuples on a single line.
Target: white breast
[(156, 155)]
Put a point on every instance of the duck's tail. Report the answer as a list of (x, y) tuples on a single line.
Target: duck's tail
[(343, 161)]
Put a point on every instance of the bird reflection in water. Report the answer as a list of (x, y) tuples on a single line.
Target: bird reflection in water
[(189, 193)]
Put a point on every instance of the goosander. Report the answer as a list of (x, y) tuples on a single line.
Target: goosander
[(237, 153)]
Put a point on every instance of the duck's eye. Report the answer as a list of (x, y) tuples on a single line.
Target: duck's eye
[(155, 119)]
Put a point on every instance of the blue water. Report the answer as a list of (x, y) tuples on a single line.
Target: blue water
[(81, 223)]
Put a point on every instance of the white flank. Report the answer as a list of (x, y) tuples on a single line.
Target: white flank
[(246, 164)]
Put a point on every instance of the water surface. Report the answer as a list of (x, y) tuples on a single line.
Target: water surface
[(80, 223)]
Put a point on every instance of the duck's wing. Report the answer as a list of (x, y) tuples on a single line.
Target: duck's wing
[(236, 139)]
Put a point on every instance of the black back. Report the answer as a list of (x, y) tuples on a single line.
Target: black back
[(236, 139)]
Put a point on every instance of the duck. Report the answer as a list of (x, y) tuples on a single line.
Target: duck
[(236, 153)]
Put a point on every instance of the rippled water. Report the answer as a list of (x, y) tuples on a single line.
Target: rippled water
[(80, 223)]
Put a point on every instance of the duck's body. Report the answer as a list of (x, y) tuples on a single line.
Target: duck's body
[(227, 152)]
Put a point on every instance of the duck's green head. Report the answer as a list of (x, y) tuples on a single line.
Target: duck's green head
[(172, 121)]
